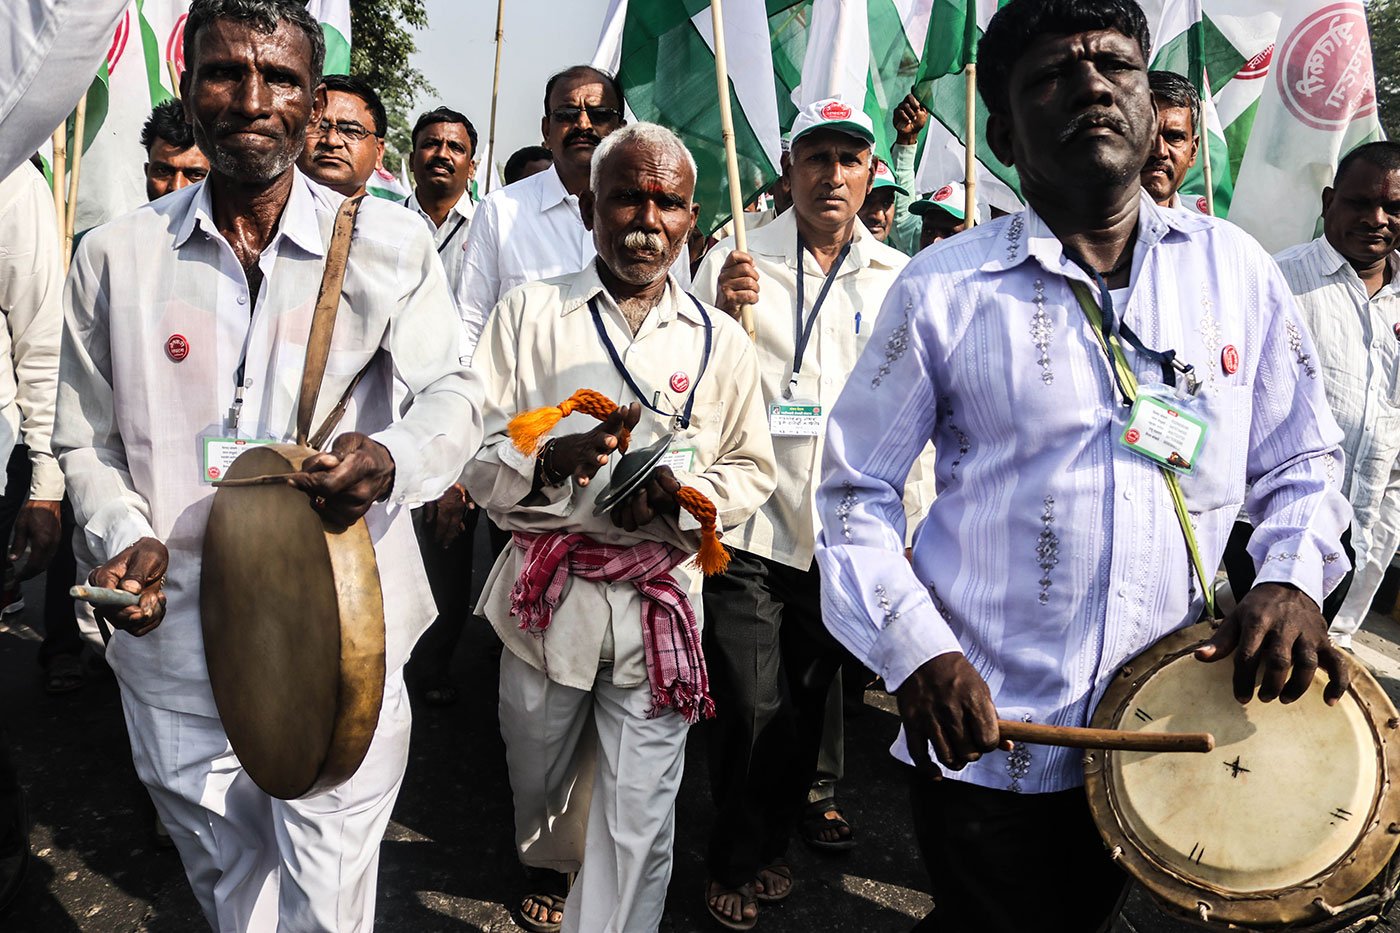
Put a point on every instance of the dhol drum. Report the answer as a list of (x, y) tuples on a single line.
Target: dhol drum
[(293, 620), (1291, 823)]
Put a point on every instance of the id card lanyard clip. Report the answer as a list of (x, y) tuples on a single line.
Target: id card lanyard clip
[(802, 332)]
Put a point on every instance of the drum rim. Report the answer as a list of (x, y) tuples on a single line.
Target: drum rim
[(360, 692), (1361, 864)]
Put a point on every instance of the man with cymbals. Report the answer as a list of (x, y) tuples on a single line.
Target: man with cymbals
[(1043, 353), (187, 328), (596, 603), (815, 277)]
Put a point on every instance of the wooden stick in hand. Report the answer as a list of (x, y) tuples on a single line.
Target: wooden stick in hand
[(1115, 739)]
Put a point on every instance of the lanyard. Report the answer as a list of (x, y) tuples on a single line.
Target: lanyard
[(802, 334), (621, 367), (443, 245), (1114, 329)]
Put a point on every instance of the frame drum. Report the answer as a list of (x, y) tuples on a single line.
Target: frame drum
[(293, 621), (1290, 823)]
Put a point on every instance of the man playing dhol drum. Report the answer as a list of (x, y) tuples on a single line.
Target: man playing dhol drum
[(1054, 551)]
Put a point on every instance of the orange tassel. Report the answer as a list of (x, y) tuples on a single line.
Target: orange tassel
[(713, 557), (529, 428)]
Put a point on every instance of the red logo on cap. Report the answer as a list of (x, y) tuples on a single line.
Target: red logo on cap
[(944, 193), (679, 382), (1132, 437), (836, 111), (1230, 359), (177, 347), (1203, 205)]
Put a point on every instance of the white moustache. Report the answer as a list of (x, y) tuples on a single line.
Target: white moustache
[(640, 240)]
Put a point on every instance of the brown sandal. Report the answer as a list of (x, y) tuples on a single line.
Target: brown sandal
[(781, 869), (747, 897)]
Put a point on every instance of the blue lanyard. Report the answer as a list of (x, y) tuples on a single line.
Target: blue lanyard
[(802, 334), (627, 376)]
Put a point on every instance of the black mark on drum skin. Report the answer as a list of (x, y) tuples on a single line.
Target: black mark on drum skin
[(1340, 814), (1143, 715), (1197, 851), (1236, 769)]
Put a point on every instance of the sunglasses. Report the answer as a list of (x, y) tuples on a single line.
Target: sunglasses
[(596, 115)]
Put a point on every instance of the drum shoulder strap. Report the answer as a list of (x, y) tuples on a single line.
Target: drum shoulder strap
[(318, 344)]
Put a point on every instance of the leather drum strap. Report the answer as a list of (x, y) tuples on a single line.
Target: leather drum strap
[(318, 344)]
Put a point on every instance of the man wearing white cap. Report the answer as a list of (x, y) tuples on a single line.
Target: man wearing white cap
[(815, 278), (943, 213), (879, 210)]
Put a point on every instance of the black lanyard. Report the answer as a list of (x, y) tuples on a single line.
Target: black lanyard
[(443, 245), (627, 376), (802, 333), (1114, 328)]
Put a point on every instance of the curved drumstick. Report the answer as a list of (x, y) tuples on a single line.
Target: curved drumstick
[(100, 596), (1115, 739)]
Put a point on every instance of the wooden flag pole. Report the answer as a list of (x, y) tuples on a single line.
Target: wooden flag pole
[(731, 154), (70, 220), (495, 91), (970, 166), (60, 181), (1206, 172), (174, 78)]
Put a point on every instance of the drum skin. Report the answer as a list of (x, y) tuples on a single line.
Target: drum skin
[(1284, 825), (293, 621)]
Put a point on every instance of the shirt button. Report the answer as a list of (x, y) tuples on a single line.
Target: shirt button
[(1128, 494), (1122, 592), (243, 299), (248, 383)]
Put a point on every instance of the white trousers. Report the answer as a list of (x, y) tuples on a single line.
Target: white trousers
[(630, 767), (257, 863)]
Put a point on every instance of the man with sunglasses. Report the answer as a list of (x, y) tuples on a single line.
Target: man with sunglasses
[(347, 145), (532, 230)]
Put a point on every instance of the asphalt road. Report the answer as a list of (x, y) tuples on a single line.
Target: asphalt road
[(447, 862)]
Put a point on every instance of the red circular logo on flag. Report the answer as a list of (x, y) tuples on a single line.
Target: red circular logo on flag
[(679, 382), (1230, 359), (177, 347), (1203, 205), (836, 111), (1133, 436), (119, 40), (944, 193), (1324, 72), (175, 46), (1256, 67)]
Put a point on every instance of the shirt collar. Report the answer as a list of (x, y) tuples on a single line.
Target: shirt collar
[(464, 206), (1331, 262), (586, 283), (1025, 236), (552, 190), (778, 240), (299, 222)]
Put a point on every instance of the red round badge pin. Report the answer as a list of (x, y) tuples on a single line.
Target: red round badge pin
[(1230, 359), (679, 382), (177, 347), (1133, 436)]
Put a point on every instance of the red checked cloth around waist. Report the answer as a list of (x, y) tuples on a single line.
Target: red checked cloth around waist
[(670, 635)]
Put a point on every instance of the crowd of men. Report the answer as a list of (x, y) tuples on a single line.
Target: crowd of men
[(914, 463)]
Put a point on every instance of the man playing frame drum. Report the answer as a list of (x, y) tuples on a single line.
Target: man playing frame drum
[(1102, 380), (187, 327)]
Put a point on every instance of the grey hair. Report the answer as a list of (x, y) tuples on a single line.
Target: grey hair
[(651, 135), (263, 15)]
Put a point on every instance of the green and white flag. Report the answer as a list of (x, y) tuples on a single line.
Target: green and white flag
[(663, 53), (145, 58)]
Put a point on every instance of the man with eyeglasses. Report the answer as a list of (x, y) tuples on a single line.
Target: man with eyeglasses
[(532, 230), (347, 145)]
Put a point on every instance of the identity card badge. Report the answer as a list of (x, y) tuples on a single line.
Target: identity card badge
[(1165, 432), (219, 454), (795, 418)]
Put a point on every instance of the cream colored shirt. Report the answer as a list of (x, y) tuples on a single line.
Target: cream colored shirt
[(541, 345), (31, 298), (785, 529)]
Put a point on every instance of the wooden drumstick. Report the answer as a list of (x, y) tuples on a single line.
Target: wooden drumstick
[(101, 596), (275, 479), (1115, 739)]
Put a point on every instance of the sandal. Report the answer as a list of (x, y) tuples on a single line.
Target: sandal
[(64, 674), (552, 904), (747, 898), (822, 815), (780, 869)]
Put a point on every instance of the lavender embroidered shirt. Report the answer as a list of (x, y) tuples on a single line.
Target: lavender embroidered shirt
[(1052, 555)]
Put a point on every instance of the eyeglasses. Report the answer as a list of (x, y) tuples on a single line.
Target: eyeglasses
[(596, 115), (351, 131)]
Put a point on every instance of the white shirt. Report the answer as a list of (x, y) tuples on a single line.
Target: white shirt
[(784, 530), (1358, 357), (31, 298), (130, 416), (1053, 554), (540, 346), (525, 232), (451, 237)]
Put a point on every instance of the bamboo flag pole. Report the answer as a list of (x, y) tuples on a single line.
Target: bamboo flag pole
[(60, 180), (1206, 172), (495, 92), (731, 155), (174, 78), (970, 166), (70, 220)]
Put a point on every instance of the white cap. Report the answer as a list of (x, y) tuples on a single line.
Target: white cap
[(884, 178), (951, 198), (833, 114)]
